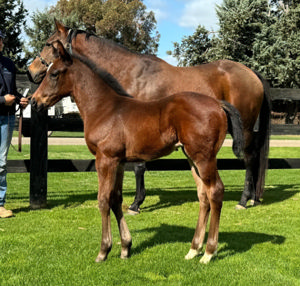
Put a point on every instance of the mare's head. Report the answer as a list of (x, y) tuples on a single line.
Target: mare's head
[(38, 68), (56, 83)]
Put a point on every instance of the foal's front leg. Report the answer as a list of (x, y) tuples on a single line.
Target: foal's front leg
[(110, 175), (117, 209), (107, 170)]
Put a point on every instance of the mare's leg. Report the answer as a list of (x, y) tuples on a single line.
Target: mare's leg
[(139, 171), (197, 242), (117, 209), (251, 159), (107, 169)]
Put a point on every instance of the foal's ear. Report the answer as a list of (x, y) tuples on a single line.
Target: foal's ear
[(63, 54)]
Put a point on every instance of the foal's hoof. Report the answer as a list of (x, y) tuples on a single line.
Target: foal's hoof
[(101, 257), (192, 253), (125, 254), (240, 207), (207, 257)]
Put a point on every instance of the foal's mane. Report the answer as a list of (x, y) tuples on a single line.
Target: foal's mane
[(103, 74)]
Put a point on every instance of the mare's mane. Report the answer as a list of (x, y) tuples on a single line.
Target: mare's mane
[(103, 41), (103, 74)]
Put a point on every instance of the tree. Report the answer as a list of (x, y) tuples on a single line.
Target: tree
[(125, 22), (260, 34), (39, 32), (193, 49), (276, 51), (128, 23), (240, 22), (12, 19)]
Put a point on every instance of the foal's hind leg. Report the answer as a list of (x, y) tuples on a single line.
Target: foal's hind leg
[(212, 192), (215, 193), (199, 235)]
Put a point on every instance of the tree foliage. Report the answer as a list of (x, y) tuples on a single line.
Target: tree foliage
[(125, 22), (260, 34), (276, 51), (12, 19), (193, 49)]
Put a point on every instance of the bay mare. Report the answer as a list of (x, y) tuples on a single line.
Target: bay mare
[(120, 129), (148, 78)]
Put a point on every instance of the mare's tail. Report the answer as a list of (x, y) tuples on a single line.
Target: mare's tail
[(235, 128), (262, 137)]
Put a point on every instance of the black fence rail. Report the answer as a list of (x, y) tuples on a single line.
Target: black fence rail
[(61, 165)]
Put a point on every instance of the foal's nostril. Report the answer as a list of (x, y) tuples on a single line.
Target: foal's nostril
[(29, 76), (34, 103)]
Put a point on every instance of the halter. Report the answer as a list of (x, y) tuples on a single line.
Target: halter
[(43, 61), (68, 46)]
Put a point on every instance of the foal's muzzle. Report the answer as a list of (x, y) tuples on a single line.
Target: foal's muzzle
[(36, 106)]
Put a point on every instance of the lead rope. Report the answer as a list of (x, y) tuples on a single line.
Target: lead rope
[(19, 125)]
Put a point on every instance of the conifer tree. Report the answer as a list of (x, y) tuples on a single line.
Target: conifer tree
[(261, 34), (12, 20)]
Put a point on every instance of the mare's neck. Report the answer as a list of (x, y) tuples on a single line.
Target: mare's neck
[(106, 54)]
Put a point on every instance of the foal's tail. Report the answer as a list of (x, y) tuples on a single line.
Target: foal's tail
[(262, 137), (235, 128)]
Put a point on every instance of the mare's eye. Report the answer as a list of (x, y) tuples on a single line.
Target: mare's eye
[(54, 74)]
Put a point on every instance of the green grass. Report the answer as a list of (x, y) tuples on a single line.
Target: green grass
[(58, 245)]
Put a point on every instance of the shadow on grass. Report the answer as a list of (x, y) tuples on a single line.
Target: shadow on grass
[(231, 242), (167, 197), (176, 196)]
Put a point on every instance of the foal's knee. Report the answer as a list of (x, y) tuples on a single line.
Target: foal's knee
[(217, 193), (103, 203)]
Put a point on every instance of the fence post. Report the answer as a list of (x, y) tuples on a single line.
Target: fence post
[(38, 159)]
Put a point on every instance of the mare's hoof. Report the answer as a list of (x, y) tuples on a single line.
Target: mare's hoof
[(133, 212), (240, 207), (254, 203), (192, 253), (207, 257)]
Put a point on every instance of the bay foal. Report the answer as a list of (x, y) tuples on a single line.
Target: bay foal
[(120, 129)]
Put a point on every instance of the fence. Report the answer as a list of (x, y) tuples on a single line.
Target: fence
[(285, 121)]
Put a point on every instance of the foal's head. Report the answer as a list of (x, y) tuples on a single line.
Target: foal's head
[(56, 83)]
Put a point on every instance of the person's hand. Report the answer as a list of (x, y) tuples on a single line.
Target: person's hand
[(24, 102), (9, 99)]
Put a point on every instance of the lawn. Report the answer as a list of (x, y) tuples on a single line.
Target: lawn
[(58, 245)]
